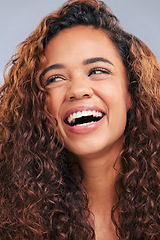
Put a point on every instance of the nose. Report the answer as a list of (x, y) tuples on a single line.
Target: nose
[(78, 89)]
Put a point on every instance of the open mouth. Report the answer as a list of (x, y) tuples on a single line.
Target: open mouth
[(83, 118)]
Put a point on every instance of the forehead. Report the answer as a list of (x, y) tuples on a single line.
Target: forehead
[(73, 45)]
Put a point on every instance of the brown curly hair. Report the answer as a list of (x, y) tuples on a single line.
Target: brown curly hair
[(41, 194)]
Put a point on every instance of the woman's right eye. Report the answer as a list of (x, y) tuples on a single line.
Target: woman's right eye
[(54, 78)]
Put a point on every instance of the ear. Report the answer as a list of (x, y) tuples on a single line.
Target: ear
[(128, 101)]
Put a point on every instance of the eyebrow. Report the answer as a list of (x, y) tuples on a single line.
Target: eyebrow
[(54, 66), (97, 59), (85, 62)]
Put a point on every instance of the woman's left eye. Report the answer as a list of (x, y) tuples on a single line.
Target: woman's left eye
[(99, 71)]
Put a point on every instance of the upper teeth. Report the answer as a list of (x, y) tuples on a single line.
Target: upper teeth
[(79, 114)]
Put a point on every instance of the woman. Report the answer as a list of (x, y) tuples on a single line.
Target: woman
[(80, 131)]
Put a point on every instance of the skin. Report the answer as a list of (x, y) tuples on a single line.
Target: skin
[(101, 84)]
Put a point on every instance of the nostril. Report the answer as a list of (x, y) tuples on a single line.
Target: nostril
[(86, 95), (72, 98), (79, 92), (79, 96)]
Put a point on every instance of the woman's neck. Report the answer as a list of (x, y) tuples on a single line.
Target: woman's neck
[(99, 180)]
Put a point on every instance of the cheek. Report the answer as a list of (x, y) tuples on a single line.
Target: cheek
[(52, 104), (117, 101), (115, 92), (110, 93)]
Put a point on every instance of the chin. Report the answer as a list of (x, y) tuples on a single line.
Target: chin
[(95, 148)]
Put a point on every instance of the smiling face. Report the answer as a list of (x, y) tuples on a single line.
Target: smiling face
[(87, 90)]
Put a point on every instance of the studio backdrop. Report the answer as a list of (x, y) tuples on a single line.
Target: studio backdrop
[(19, 18)]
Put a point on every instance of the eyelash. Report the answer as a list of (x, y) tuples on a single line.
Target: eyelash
[(102, 70), (53, 79)]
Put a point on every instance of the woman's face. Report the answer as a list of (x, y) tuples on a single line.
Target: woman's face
[(87, 90)]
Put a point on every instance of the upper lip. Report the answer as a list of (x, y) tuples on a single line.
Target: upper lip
[(82, 108)]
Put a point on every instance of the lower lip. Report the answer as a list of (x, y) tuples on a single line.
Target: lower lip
[(86, 128)]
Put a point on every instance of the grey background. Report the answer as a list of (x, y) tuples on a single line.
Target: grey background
[(18, 18)]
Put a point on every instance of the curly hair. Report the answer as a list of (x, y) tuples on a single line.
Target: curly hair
[(41, 194)]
